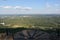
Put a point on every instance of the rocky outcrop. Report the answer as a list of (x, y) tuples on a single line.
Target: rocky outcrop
[(35, 35), (4, 36), (30, 35)]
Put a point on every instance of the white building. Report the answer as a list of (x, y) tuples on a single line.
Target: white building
[(2, 23)]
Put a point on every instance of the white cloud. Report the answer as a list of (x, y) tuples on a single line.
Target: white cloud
[(0, 6), (27, 8), (56, 5), (16, 7), (7, 7), (19, 9), (22, 8), (48, 5)]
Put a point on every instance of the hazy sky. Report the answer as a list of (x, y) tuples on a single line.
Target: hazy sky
[(29, 6)]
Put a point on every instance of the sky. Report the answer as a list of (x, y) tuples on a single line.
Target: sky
[(29, 6)]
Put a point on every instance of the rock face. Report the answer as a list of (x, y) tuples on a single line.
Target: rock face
[(31, 35), (4, 36)]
